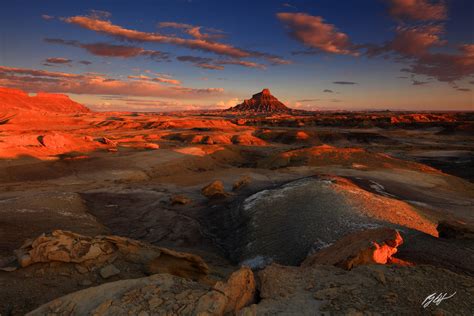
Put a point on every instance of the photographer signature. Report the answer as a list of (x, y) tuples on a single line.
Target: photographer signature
[(436, 299)]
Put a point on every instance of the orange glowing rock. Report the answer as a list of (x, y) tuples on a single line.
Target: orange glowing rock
[(372, 246)]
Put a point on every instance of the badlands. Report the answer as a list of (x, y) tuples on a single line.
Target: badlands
[(255, 210)]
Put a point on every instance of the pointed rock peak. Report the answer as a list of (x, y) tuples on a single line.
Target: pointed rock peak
[(261, 102)]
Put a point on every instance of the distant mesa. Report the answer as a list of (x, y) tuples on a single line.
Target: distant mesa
[(13, 100), (261, 102)]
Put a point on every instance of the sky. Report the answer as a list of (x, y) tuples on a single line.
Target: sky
[(197, 54)]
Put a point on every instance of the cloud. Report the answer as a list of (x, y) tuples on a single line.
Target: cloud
[(58, 60), (156, 79), (38, 73), (139, 104), (308, 100), (243, 63), (106, 27), (112, 50), (328, 91), (216, 64), (228, 103), (210, 66), (412, 45), (194, 31), (419, 83), (345, 82), (47, 17), (99, 14), (85, 62), (288, 5), (313, 32), (200, 41), (463, 89), (410, 41), (418, 10), (443, 66), (89, 83)]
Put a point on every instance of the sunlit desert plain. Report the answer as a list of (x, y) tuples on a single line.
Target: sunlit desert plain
[(257, 209)]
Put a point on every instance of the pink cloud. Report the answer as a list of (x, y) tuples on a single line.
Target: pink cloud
[(216, 64), (156, 79), (47, 17), (88, 83), (108, 28), (445, 67), (194, 31), (112, 50), (416, 41), (243, 63), (418, 10), (412, 45), (313, 32), (411, 41), (58, 60), (201, 41), (209, 66)]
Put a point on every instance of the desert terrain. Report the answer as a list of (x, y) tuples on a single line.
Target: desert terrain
[(255, 210)]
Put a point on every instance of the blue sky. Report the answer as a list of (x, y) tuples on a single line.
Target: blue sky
[(336, 37)]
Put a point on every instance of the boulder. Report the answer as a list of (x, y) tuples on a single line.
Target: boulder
[(214, 190), (151, 146), (99, 251), (451, 229), (371, 246), (242, 182), (179, 199), (106, 141), (239, 289)]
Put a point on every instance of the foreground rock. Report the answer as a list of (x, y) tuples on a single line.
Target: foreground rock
[(365, 290), (99, 251), (179, 199), (366, 247), (160, 294)]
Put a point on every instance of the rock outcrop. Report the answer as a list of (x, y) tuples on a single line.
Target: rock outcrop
[(159, 294), (371, 246), (99, 251), (284, 223), (261, 102)]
